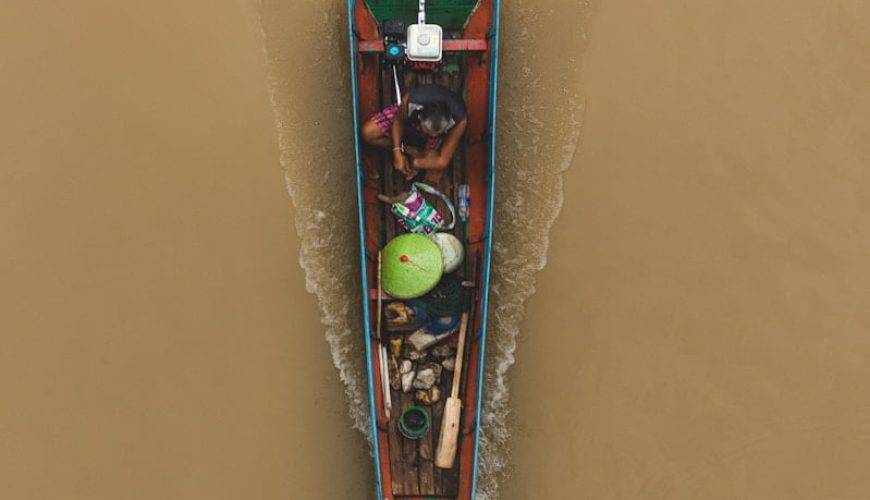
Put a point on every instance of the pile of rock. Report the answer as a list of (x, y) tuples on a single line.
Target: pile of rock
[(420, 370)]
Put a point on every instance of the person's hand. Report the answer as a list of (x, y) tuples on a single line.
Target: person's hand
[(400, 162)]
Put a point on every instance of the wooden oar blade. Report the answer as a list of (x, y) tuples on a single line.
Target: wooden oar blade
[(449, 438)]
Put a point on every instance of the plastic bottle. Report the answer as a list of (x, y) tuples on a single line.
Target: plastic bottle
[(464, 201)]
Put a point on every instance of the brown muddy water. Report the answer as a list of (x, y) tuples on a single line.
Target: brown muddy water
[(680, 295)]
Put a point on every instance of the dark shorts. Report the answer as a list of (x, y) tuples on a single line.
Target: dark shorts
[(385, 118)]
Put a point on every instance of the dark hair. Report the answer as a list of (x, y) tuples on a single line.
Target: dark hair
[(435, 115)]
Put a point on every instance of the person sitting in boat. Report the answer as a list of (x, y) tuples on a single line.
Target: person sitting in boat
[(427, 127)]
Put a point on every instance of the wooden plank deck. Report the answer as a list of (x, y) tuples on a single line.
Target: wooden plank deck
[(412, 461)]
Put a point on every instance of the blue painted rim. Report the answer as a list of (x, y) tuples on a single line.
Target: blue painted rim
[(487, 254), (373, 421)]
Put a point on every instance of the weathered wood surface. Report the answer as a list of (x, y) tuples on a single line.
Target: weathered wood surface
[(412, 461)]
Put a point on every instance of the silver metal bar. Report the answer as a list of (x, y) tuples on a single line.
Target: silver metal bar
[(398, 89)]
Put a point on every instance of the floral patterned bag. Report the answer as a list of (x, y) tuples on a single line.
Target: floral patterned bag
[(416, 214)]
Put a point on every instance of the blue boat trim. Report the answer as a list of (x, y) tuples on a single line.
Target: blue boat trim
[(373, 421), (487, 255)]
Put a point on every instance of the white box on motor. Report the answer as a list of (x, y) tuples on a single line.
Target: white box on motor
[(424, 42)]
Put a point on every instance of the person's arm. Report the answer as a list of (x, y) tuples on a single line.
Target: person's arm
[(399, 159), (448, 149)]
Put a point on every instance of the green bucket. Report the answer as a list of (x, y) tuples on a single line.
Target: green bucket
[(414, 422)]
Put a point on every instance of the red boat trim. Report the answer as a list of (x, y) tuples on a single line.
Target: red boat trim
[(467, 45)]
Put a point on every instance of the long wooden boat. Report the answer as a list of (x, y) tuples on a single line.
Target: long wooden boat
[(404, 467)]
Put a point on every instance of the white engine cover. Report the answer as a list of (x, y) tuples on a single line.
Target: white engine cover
[(424, 42)]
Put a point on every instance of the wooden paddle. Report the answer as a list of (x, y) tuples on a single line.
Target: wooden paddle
[(448, 439)]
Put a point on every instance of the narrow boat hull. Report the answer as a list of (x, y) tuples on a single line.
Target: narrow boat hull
[(404, 468)]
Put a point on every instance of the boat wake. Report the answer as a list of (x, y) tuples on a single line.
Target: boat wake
[(540, 114)]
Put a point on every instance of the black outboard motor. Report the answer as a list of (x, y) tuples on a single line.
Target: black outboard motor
[(394, 40)]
